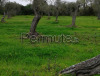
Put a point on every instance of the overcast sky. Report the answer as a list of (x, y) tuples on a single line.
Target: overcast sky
[(25, 3)]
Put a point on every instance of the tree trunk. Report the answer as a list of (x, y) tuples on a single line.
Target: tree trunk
[(89, 67), (74, 19), (74, 14), (97, 4), (8, 15), (99, 15), (2, 20), (48, 15), (36, 5), (57, 16), (34, 25), (84, 5)]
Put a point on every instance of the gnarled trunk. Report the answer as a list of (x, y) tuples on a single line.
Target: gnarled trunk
[(89, 67), (37, 4), (3, 18), (34, 25)]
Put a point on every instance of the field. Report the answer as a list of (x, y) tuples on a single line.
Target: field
[(46, 59)]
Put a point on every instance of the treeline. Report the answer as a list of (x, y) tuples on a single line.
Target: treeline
[(56, 8), (12, 8)]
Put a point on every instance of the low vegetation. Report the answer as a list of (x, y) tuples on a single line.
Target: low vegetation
[(46, 59)]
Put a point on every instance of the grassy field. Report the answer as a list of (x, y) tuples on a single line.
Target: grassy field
[(46, 59)]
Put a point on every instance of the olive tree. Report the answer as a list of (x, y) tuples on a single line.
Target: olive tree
[(97, 7), (95, 4), (12, 9), (74, 7), (86, 5), (57, 8), (49, 8), (38, 6), (2, 7), (48, 11)]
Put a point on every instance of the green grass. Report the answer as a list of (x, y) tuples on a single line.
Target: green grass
[(17, 59)]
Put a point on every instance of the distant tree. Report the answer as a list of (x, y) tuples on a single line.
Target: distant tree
[(52, 10), (2, 8), (57, 8), (49, 9), (64, 9), (3, 18), (2, 3), (26, 10), (97, 7), (83, 5), (74, 10), (12, 8)]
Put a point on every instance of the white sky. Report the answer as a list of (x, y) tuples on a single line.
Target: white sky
[(25, 2)]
